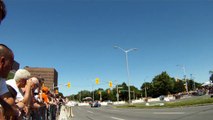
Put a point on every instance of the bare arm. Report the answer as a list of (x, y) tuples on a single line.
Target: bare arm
[(27, 94), (8, 104)]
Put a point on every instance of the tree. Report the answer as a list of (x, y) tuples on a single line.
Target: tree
[(72, 97), (135, 92), (172, 85), (83, 94), (211, 77), (123, 92), (191, 85), (147, 89), (179, 86), (96, 93), (162, 84), (108, 95)]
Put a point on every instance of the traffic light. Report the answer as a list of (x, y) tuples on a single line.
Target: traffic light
[(110, 83), (99, 92), (97, 81), (68, 84)]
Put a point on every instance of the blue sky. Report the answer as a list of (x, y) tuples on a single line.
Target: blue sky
[(76, 37)]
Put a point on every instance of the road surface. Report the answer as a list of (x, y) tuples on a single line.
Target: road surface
[(111, 113)]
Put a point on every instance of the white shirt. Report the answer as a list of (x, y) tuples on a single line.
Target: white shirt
[(19, 95), (3, 86)]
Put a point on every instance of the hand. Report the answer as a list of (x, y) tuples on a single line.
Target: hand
[(29, 82), (26, 110)]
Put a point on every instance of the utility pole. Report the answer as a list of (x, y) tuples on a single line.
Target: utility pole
[(145, 91), (184, 76), (134, 94), (145, 87), (80, 96), (127, 67), (117, 95), (93, 92), (100, 95), (192, 78)]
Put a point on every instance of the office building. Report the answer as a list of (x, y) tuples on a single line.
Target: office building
[(50, 75)]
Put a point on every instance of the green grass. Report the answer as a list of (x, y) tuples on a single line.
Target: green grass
[(202, 100)]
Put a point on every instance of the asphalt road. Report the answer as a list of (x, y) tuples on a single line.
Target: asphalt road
[(110, 113)]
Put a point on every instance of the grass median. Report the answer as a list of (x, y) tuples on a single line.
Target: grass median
[(193, 101)]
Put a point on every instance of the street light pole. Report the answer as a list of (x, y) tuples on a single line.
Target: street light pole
[(80, 96), (93, 92), (117, 94), (127, 66), (145, 88), (192, 78), (145, 91), (184, 72)]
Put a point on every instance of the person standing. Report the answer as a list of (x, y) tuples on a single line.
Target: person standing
[(6, 57), (2, 15), (6, 62), (19, 81)]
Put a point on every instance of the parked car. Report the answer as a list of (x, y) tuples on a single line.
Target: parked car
[(96, 104), (109, 102), (161, 97)]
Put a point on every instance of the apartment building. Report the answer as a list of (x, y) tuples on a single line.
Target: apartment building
[(50, 75)]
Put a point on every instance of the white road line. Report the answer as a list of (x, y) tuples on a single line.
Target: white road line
[(169, 113), (115, 110), (90, 112), (117, 118)]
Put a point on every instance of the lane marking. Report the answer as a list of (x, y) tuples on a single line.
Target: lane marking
[(117, 118), (90, 112), (115, 110), (169, 113)]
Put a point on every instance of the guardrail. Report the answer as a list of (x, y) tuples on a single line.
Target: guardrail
[(44, 113), (53, 112), (65, 113)]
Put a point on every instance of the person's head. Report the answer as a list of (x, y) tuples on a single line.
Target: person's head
[(41, 82), (45, 90), (6, 60), (2, 10), (21, 77), (35, 84)]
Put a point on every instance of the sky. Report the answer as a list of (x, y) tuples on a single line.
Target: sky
[(76, 37)]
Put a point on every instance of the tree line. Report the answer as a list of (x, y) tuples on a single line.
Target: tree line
[(161, 84)]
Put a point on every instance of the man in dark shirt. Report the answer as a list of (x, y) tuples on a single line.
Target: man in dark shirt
[(6, 62)]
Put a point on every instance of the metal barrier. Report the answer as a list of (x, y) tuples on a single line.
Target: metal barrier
[(39, 114), (52, 112), (44, 113), (65, 113)]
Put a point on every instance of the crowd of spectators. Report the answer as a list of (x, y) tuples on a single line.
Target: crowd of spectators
[(31, 98), (25, 96)]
